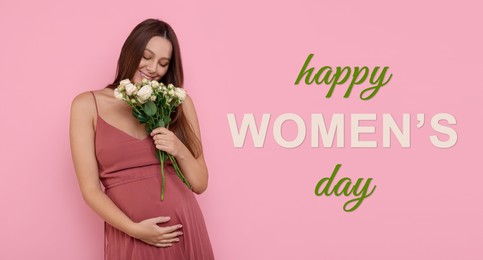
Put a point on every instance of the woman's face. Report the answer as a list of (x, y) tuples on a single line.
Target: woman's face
[(155, 60)]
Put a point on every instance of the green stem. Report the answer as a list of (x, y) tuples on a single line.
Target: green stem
[(178, 170), (163, 181), (134, 107)]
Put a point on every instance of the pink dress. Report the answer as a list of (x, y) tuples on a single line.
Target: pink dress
[(131, 175)]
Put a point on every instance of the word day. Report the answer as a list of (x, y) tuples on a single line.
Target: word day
[(335, 130), (345, 187)]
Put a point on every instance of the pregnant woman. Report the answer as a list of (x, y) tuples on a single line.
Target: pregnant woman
[(111, 147)]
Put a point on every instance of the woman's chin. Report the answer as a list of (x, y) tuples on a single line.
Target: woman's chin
[(136, 79)]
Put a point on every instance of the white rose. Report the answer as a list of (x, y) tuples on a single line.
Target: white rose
[(144, 82), (154, 84), (170, 86), (124, 82), (180, 93), (118, 95), (171, 93), (130, 89), (153, 98), (145, 93)]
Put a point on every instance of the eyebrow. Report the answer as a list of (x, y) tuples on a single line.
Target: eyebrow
[(153, 54)]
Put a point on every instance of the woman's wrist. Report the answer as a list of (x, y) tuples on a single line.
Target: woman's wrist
[(182, 154), (132, 229)]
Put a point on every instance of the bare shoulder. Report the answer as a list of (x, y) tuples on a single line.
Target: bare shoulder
[(83, 108), (83, 102), (189, 109), (188, 104), (190, 114)]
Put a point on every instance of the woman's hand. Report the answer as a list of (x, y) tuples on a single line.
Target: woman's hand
[(192, 166), (167, 141), (149, 232)]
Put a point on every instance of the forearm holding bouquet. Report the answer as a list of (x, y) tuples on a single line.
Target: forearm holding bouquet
[(152, 104)]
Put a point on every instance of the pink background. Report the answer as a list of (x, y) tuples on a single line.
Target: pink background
[(243, 58)]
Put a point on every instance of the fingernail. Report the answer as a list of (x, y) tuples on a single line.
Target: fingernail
[(168, 218), (180, 233)]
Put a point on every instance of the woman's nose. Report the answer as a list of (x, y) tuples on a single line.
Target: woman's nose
[(151, 67)]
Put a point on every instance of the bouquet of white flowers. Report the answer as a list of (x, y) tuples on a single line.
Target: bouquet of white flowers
[(152, 104)]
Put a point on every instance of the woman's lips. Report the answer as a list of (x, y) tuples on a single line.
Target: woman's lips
[(146, 76)]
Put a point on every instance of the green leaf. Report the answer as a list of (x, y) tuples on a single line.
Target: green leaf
[(167, 120), (149, 128), (150, 108), (161, 123), (139, 116)]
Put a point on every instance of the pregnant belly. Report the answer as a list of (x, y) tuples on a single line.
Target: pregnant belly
[(140, 199)]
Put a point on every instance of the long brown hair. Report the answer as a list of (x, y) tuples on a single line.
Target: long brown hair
[(129, 59)]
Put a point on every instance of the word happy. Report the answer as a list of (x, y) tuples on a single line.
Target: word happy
[(340, 75)]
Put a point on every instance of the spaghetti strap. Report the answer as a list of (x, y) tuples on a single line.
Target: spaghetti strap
[(95, 102)]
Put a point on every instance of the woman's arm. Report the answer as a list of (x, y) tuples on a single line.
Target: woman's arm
[(83, 155), (194, 169)]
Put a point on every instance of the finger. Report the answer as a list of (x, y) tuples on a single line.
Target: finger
[(169, 241), (162, 142), (171, 235), (159, 130), (170, 229), (161, 219), (155, 131), (163, 245), (160, 135), (163, 148)]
